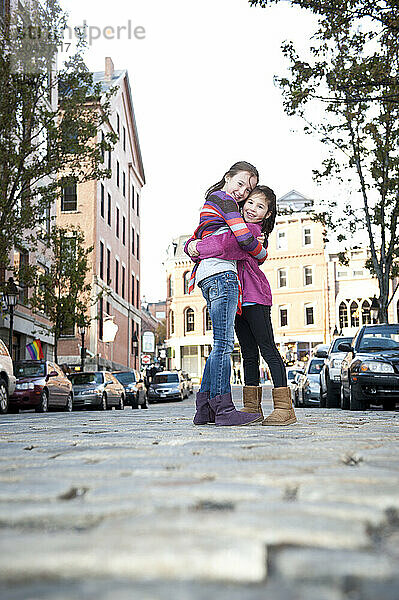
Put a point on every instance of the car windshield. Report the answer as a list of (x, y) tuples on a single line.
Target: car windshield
[(30, 369), (291, 375), (385, 337), (166, 378), (338, 341), (125, 378), (86, 378), (315, 366)]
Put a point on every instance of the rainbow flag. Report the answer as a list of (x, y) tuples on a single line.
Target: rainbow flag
[(35, 350)]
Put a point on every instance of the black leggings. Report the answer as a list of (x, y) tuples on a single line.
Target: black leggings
[(255, 332)]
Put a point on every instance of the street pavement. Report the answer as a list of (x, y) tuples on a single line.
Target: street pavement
[(143, 504)]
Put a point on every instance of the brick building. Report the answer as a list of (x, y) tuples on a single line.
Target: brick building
[(108, 212)]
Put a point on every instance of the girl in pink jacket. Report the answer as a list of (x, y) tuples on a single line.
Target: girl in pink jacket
[(253, 326)]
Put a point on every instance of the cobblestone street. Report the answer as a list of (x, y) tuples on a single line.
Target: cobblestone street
[(142, 504)]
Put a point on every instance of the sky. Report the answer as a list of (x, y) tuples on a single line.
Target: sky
[(204, 98)]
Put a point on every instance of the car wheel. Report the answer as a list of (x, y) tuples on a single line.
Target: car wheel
[(103, 404), (135, 402), (121, 404), (3, 397), (356, 401), (13, 410), (344, 400), (43, 406), (332, 400), (389, 404), (69, 404)]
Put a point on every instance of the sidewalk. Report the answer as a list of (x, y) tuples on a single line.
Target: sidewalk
[(142, 504)]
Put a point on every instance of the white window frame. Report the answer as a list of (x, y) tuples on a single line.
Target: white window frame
[(286, 277), (304, 236), (285, 244), (280, 308), (311, 267), (309, 305)]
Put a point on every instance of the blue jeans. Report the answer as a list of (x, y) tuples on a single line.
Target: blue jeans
[(221, 294)]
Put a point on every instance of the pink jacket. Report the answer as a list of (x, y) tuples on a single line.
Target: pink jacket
[(255, 286)]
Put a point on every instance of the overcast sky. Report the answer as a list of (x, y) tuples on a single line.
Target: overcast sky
[(204, 98)]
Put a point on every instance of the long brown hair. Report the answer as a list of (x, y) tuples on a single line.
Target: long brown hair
[(238, 167), (268, 222)]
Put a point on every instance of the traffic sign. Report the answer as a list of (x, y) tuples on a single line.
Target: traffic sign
[(145, 359)]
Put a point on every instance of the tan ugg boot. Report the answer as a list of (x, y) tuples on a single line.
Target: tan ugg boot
[(252, 398), (283, 413)]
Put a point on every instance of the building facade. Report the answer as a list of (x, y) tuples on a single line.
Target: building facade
[(108, 212)]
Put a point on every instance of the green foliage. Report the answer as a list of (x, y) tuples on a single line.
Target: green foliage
[(62, 291), (41, 138), (347, 92)]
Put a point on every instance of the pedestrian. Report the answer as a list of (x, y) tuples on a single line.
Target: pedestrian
[(253, 326), (239, 380), (218, 281), (234, 376)]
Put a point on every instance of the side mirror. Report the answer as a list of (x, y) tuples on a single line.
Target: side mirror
[(344, 347)]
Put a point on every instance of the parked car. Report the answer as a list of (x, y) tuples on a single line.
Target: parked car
[(167, 385), (98, 389), (7, 377), (188, 384), (133, 384), (293, 384), (41, 385), (330, 376), (320, 351), (308, 391), (291, 372), (370, 368)]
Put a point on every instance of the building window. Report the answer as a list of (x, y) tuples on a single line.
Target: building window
[(354, 312), (102, 201), (100, 318), (117, 276), (108, 267), (281, 239), (282, 278), (133, 239), (101, 260), (132, 291), (117, 222), (366, 315), (137, 293), (186, 282), (307, 236), (118, 124), (124, 184), (172, 321), (309, 315), (169, 286), (207, 319), (358, 273), (69, 198), (138, 204), (109, 159), (138, 246), (342, 274), (124, 139), (283, 316), (308, 276), (117, 173), (189, 320), (124, 230), (343, 315), (109, 216), (123, 282), (102, 147), (132, 195)]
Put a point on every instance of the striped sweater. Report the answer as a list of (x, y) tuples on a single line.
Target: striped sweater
[(221, 209)]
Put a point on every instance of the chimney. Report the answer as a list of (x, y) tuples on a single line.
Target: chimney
[(109, 69)]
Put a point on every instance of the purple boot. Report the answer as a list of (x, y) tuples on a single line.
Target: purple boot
[(226, 413), (204, 414)]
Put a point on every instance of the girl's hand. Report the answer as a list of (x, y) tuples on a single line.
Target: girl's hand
[(192, 248), (261, 238)]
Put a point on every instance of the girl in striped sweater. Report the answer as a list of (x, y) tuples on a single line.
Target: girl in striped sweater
[(217, 278)]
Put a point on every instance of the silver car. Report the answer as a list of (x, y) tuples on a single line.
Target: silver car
[(308, 392), (7, 378), (167, 385), (97, 389), (330, 376)]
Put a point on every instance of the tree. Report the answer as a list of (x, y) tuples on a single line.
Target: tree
[(62, 292), (44, 145), (347, 92)]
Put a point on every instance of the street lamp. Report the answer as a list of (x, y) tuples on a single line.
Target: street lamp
[(374, 309), (11, 296), (82, 331)]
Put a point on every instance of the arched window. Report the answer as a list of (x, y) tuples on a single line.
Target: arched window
[(366, 316), (189, 320), (171, 322), (354, 311), (186, 282), (207, 320), (343, 315), (170, 286)]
